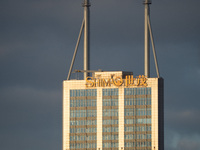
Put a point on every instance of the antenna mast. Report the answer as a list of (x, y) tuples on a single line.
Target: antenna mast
[(146, 39), (85, 25), (147, 34), (86, 6)]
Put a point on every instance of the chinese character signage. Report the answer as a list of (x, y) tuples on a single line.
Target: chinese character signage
[(129, 80)]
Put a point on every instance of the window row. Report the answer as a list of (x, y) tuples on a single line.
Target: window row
[(83, 113), (83, 103), (83, 130), (137, 144), (113, 121), (109, 92), (82, 122), (82, 145), (110, 129), (109, 145), (113, 129), (137, 136), (110, 112), (137, 101), (137, 91), (79, 93), (137, 121), (137, 128), (137, 112), (83, 138), (110, 137), (110, 102)]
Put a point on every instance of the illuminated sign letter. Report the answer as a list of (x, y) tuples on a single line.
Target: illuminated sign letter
[(106, 83), (118, 81), (143, 80), (89, 82)]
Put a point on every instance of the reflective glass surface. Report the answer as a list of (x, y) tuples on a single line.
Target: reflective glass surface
[(137, 118)]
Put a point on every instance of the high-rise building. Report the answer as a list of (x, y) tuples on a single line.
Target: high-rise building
[(113, 111)]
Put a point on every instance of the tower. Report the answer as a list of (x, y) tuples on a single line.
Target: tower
[(114, 110)]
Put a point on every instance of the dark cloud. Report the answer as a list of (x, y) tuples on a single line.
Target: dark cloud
[(30, 116), (175, 141), (182, 120), (36, 46)]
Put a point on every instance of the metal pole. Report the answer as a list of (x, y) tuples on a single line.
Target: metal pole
[(153, 47), (146, 40), (86, 65), (75, 51)]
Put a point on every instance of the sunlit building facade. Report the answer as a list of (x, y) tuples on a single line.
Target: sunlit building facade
[(113, 111)]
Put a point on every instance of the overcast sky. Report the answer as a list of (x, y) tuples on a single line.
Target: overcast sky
[(37, 41)]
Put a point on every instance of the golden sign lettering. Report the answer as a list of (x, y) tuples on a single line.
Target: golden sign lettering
[(129, 80)]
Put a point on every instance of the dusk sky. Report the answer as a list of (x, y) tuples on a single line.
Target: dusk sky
[(37, 41)]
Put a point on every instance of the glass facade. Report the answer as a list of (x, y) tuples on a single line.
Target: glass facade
[(110, 118), (137, 118), (83, 119)]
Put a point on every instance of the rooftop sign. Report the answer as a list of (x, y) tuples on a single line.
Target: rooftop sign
[(129, 80)]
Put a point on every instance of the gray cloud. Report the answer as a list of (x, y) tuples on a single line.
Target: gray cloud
[(30, 116), (175, 141)]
